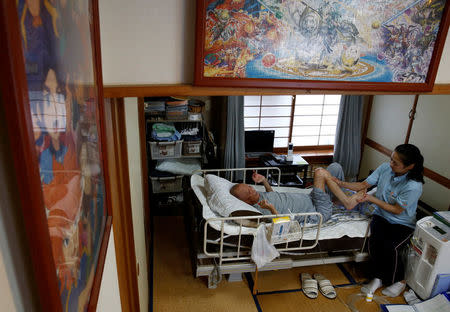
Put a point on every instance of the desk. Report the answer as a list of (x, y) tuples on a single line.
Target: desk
[(288, 169)]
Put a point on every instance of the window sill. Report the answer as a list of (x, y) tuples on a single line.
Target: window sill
[(317, 156)]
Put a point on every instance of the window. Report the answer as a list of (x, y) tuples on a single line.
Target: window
[(305, 120)]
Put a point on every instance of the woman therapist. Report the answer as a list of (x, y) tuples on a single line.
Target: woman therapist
[(399, 187)]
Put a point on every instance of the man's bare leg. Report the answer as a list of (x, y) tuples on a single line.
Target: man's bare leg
[(349, 202), (322, 177)]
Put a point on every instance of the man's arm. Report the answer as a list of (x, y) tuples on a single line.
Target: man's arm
[(266, 205), (257, 178)]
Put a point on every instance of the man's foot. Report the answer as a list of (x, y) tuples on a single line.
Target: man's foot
[(354, 200), (372, 286), (394, 290)]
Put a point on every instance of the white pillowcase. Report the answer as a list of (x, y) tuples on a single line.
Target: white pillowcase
[(221, 201)]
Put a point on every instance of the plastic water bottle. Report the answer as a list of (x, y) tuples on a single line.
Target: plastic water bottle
[(290, 153)]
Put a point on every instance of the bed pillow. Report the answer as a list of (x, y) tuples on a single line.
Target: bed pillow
[(222, 202)]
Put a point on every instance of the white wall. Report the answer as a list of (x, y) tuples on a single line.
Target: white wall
[(443, 74), (137, 199), (431, 133), (371, 159), (152, 42), (388, 125), (109, 296), (147, 42), (389, 119)]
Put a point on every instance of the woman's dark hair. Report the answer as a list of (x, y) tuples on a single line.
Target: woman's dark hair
[(410, 154)]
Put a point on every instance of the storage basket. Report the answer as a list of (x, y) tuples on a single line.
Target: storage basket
[(162, 150), (196, 106), (167, 184), (294, 234), (192, 147)]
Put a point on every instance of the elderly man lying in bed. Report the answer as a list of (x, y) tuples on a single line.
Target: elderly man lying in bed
[(319, 200)]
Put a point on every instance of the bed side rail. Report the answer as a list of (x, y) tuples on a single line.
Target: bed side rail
[(239, 173), (236, 251)]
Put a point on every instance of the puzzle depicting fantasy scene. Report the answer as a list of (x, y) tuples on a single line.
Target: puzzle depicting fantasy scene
[(346, 40), (57, 47)]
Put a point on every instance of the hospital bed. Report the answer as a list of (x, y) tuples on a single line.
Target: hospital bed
[(222, 245)]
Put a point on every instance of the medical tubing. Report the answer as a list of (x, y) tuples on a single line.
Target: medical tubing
[(353, 298)]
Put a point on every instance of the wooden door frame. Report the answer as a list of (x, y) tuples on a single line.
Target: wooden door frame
[(146, 196), (118, 170)]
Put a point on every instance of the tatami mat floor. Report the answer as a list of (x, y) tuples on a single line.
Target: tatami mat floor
[(175, 288)]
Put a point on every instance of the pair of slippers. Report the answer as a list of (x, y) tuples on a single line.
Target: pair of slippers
[(311, 286)]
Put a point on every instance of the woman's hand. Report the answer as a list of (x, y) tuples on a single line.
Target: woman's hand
[(257, 178), (365, 198)]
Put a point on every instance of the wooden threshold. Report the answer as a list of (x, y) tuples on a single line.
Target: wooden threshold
[(117, 91)]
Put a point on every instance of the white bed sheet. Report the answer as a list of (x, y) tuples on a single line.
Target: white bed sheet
[(351, 224)]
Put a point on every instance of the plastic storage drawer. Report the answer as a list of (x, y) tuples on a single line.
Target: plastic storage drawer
[(192, 148), (167, 184), (162, 150)]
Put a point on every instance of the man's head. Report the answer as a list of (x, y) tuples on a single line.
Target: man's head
[(245, 192)]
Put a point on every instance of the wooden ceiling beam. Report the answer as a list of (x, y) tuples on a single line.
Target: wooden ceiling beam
[(119, 91)]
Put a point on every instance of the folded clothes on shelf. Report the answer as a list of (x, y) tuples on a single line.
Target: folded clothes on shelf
[(157, 106), (176, 108), (165, 132), (174, 104)]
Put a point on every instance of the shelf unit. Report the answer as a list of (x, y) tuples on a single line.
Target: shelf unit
[(169, 202)]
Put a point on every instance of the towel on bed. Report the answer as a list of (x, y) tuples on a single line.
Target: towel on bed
[(221, 201)]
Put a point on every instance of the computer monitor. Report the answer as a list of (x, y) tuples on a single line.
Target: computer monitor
[(259, 141)]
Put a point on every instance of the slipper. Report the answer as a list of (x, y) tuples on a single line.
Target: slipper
[(325, 286), (309, 286)]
